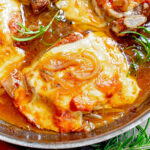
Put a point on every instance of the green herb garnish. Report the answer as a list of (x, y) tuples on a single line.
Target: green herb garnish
[(139, 57), (132, 67), (128, 141), (36, 34), (144, 43)]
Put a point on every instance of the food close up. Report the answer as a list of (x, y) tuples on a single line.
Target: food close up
[(70, 65), (123, 15)]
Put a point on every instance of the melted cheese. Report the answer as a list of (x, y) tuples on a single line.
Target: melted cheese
[(108, 54), (95, 78), (9, 55), (81, 12)]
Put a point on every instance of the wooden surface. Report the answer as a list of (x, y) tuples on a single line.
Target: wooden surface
[(6, 146)]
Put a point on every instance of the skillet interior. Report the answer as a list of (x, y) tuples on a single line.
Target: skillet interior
[(18, 136)]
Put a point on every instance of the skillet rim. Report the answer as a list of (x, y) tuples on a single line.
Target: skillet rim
[(80, 142)]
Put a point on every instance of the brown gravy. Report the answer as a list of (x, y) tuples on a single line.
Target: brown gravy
[(33, 48)]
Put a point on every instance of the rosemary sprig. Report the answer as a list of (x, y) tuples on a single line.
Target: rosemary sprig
[(133, 66), (141, 141), (143, 42), (35, 34), (139, 57)]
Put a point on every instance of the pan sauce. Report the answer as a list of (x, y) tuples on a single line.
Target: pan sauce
[(10, 114)]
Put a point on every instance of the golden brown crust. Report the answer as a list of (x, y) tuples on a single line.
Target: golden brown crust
[(13, 23), (71, 38), (123, 14), (39, 5)]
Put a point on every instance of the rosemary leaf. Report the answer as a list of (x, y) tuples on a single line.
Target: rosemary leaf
[(26, 39), (142, 42), (36, 34), (30, 32), (23, 27), (141, 141), (145, 29), (139, 57)]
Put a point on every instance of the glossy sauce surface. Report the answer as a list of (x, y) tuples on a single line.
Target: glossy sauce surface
[(33, 48)]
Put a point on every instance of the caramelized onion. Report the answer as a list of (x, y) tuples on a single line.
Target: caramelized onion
[(114, 13), (85, 74), (134, 21), (65, 84), (93, 116), (71, 68), (60, 62)]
